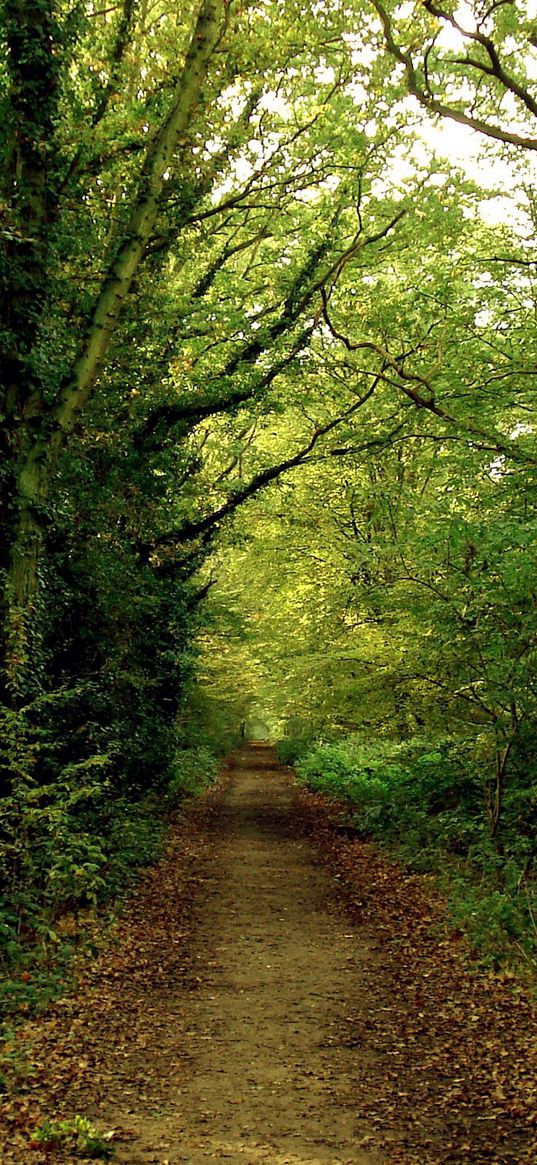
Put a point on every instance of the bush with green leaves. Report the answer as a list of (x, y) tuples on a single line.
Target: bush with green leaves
[(417, 785), (193, 769), (424, 798), (69, 844), (500, 921), (295, 746), (78, 1134)]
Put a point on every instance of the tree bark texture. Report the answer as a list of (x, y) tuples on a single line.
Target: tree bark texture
[(38, 431)]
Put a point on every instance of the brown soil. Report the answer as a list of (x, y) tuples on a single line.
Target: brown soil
[(262, 1001), (268, 1076)]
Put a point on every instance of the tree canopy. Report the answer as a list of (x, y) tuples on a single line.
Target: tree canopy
[(266, 389)]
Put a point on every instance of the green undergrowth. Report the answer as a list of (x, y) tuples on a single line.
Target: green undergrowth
[(423, 799), (68, 853), (76, 1134)]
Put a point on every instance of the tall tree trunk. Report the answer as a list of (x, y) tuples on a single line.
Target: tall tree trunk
[(42, 431), (29, 193)]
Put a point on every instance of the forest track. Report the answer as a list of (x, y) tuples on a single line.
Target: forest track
[(269, 1076), (259, 1004)]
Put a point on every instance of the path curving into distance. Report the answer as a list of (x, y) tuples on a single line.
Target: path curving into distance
[(269, 1077)]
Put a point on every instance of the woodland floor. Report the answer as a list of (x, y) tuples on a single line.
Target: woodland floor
[(276, 992)]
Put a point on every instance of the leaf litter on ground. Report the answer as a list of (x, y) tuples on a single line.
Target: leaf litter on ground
[(450, 1050)]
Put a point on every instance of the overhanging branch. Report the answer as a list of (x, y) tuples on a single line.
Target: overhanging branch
[(75, 393), (204, 526), (433, 105)]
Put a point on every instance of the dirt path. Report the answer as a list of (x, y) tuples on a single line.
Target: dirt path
[(277, 993), (268, 1079)]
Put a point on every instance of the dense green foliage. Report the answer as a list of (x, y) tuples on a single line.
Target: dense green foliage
[(424, 798), (234, 256)]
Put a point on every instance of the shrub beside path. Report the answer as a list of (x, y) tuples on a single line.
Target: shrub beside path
[(277, 993)]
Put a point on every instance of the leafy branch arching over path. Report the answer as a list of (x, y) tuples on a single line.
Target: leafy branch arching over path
[(256, 1005)]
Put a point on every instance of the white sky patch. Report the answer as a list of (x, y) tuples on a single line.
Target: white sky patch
[(313, 193), (213, 146), (530, 64), (243, 170), (274, 103), (497, 468), (449, 37), (483, 317), (465, 148), (257, 148), (358, 93), (496, 211), (233, 99), (462, 146), (324, 75), (362, 52)]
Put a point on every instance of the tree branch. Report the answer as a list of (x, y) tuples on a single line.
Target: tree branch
[(204, 526), (493, 440), (433, 105), (293, 306), (74, 394)]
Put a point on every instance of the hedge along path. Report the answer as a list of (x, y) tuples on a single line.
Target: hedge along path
[(277, 993)]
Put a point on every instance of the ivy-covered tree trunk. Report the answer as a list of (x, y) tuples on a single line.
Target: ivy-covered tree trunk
[(29, 190), (39, 427)]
